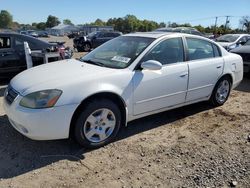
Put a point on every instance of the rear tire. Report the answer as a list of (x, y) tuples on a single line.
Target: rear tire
[(221, 91), (98, 124), (79, 49)]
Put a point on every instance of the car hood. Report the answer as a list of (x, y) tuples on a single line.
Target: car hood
[(54, 75), (242, 49)]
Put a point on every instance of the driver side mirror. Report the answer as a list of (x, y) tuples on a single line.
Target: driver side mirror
[(151, 65)]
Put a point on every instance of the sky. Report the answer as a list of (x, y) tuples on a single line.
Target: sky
[(80, 12)]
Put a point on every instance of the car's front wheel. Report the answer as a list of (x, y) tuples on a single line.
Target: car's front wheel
[(98, 124), (221, 91)]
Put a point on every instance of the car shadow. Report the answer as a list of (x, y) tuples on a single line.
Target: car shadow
[(162, 119), (2, 89), (3, 85), (4, 81), (244, 85), (19, 155)]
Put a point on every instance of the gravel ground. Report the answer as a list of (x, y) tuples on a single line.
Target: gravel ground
[(193, 146)]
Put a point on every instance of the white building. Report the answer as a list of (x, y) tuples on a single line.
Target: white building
[(62, 29)]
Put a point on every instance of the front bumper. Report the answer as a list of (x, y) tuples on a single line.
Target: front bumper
[(40, 124)]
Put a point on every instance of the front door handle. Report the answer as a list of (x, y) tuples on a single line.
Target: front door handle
[(184, 74), (219, 66)]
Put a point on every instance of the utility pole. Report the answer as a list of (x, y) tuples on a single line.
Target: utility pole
[(227, 21), (215, 24)]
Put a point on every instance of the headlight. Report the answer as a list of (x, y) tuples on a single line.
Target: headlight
[(41, 99)]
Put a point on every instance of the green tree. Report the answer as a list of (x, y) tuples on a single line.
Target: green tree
[(26, 27), (173, 24), (6, 19), (52, 21), (200, 28), (67, 22), (41, 26), (99, 22), (34, 25), (185, 25), (15, 25), (162, 24), (131, 23)]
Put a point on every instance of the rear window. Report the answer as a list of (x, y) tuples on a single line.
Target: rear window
[(19, 43), (5, 42)]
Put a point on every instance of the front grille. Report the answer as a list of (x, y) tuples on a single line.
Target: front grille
[(10, 95)]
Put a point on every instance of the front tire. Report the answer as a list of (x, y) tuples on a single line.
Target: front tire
[(221, 92), (98, 124), (86, 47)]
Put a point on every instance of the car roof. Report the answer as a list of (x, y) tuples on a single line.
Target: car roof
[(104, 31), (17, 35), (237, 35), (27, 37), (158, 34), (148, 34)]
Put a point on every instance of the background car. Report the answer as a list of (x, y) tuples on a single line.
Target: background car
[(231, 41), (42, 34), (129, 77), (93, 40), (188, 30), (244, 52), (31, 33), (12, 54)]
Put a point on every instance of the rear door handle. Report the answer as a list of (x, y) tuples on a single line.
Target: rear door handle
[(219, 66)]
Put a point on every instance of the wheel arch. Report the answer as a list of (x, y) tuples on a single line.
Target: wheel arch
[(212, 97), (105, 95), (228, 75)]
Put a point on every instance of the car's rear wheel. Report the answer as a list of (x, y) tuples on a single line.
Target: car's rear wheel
[(98, 124), (221, 91), (86, 47)]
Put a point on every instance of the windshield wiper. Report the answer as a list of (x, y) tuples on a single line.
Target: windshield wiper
[(222, 40), (93, 62)]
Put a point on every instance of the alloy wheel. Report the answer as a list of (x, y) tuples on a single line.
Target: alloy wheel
[(99, 125), (222, 91)]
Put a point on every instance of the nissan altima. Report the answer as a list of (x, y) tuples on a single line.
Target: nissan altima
[(129, 77)]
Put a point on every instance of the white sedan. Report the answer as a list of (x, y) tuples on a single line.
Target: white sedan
[(129, 77)]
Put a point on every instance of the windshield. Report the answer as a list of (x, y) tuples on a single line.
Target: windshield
[(247, 43), (227, 38), (90, 35), (118, 53)]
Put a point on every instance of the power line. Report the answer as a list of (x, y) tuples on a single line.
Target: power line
[(207, 18)]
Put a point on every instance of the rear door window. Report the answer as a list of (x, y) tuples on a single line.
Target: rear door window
[(199, 49)]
